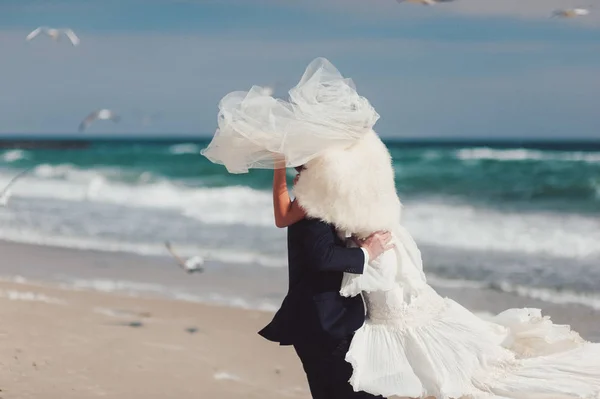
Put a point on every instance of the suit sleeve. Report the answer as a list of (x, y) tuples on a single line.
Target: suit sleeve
[(327, 256)]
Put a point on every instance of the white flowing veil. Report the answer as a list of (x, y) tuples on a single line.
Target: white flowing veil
[(324, 110)]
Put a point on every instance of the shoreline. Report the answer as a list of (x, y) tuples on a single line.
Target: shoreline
[(249, 287)]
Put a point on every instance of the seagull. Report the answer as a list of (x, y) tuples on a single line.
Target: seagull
[(424, 2), (571, 12), (267, 90), (54, 34), (102, 114), (6, 192), (190, 265)]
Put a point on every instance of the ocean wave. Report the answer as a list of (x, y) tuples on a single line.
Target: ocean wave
[(13, 295), (230, 206), (226, 255), (185, 148), (560, 297), (14, 155), (442, 282), (71, 172), (521, 154), (456, 224), (432, 221), (595, 183), (217, 205), (76, 174), (563, 297), (464, 226), (135, 288)]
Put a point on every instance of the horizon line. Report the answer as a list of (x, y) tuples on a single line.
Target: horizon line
[(186, 137)]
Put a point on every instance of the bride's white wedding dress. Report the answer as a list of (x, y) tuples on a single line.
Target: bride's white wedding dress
[(417, 344), (414, 343)]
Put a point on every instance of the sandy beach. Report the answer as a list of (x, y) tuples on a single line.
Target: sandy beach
[(56, 343), (77, 340)]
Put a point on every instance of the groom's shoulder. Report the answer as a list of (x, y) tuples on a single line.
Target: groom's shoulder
[(314, 223)]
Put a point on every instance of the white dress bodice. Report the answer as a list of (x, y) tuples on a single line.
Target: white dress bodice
[(384, 306)]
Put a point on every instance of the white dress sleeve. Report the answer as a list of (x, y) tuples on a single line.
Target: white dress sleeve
[(410, 247), (378, 275), (401, 265)]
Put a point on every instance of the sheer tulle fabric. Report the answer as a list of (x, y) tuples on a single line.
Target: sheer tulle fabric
[(416, 344), (257, 130)]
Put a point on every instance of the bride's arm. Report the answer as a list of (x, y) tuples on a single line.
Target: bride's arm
[(378, 275), (286, 211)]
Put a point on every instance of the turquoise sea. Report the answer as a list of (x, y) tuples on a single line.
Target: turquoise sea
[(513, 216)]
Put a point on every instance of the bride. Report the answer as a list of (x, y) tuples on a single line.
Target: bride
[(414, 343)]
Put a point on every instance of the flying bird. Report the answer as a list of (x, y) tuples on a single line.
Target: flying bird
[(571, 12), (102, 114), (267, 90), (6, 191), (424, 2), (54, 34), (190, 265)]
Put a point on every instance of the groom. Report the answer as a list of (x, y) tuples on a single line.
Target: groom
[(314, 318)]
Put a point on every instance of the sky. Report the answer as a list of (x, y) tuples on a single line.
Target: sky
[(466, 69)]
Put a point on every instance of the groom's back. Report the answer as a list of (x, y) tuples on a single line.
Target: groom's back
[(301, 255), (313, 295), (298, 257)]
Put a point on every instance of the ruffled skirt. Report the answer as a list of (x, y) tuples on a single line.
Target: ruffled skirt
[(440, 349)]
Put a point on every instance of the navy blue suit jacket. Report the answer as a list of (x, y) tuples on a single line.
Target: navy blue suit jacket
[(313, 308)]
